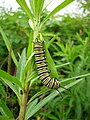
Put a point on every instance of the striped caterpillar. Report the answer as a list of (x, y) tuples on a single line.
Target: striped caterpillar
[(43, 72)]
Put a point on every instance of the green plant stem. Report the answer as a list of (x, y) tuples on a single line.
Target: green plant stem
[(9, 61), (23, 103)]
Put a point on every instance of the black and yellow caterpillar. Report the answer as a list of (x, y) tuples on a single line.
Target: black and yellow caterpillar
[(43, 72)]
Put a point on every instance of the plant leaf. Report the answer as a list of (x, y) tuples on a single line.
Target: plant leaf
[(50, 42), (40, 4), (21, 66), (27, 63), (50, 97), (3, 93), (57, 9), (65, 64), (51, 64), (15, 89), (49, 116), (44, 90), (5, 76), (24, 6), (78, 107), (7, 43), (73, 78), (6, 118), (36, 6), (30, 46), (5, 110), (46, 3), (30, 107)]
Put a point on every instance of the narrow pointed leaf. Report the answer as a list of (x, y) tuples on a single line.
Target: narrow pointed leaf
[(49, 116), (51, 64), (7, 43), (44, 90), (15, 89), (57, 9), (32, 6), (60, 66), (24, 6), (77, 77), (21, 65), (5, 76), (46, 3), (30, 107), (4, 109), (36, 8), (40, 4), (27, 63), (50, 42), (6, 118), (30, 45), (50, 97)]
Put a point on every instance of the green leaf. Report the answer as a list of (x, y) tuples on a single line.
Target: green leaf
[(79, 38), (32, 76), (51, 64), (33, 80), (78, 107), (36, 6), (46, 3), (24, 6), (49, 98), (21, 66), (7, 43), (57, 9), (40, 4), (4, 109), (36, 9), (32, 6), (49, 116), (62, 47), (9, 80), (6, 118), (3, 93), (44, 90), (30, 45), (50, 42), (5, 76), (77, 77), (15, 90), (30, 107), (60, 66), (28, 63)]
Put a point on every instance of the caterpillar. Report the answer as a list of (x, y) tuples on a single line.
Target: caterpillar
[(43, 71)]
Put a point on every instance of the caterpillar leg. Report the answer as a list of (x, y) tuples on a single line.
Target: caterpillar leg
[(65, 89), (59, 93)]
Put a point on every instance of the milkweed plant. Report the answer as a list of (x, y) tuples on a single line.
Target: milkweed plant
[(26, 72)]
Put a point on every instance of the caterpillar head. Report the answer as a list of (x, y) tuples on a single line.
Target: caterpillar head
[(39, 42)]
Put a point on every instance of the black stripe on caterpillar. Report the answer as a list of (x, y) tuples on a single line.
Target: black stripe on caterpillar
[(43, 72), (42, 66)]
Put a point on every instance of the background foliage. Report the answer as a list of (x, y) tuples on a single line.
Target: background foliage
[(70, 50)]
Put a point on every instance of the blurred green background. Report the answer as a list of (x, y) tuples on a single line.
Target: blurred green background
[(70, 50)]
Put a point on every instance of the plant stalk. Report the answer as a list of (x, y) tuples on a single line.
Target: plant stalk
[(23, 104)]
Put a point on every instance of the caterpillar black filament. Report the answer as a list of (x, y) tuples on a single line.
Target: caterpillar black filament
[(43, 72)]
